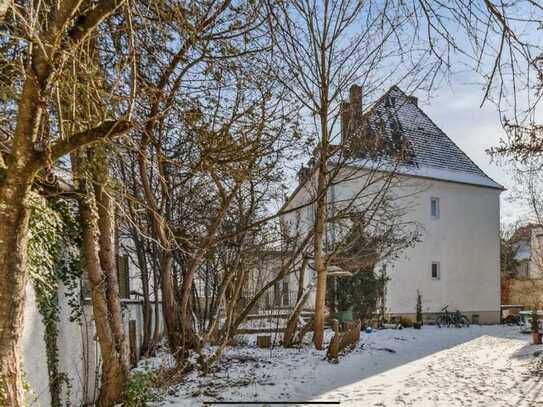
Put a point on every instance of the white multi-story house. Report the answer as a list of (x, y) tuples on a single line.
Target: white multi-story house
[(437, 187), (527, 241)]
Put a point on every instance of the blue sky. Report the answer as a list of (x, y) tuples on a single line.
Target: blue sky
[(455, 108)]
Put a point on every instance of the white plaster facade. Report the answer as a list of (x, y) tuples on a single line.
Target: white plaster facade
[(79, 352), (464, 241), (72, 355)]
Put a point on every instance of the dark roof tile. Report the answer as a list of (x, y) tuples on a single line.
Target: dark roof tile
[(429, 146)]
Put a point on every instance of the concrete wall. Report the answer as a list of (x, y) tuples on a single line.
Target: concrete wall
[(535, 263), (529, 254), (79, 353), (70, 343), (72, 337), (482, 317), (34, 358)]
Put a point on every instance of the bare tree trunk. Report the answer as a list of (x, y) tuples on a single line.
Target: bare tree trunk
[(301, 279), (96, 212), (143, 265), (4, 6), (113, 373), (15, 184), (303, 295), (211, 334), (156, 330), (292, 323), (147, 312), (159, 226), (188, 277), (13, 277), (19, 170), (320, 223), (169, 304), (185, 294), (108, 261)]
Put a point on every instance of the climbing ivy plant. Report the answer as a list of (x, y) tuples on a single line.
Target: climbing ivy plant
[(53, 258)]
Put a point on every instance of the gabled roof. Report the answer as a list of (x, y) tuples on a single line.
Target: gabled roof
[(432, 153)]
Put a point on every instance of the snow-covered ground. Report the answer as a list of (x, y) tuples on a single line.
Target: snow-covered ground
[(476, 366)]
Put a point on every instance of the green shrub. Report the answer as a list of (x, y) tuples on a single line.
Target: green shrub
[(360, 293), (140, 390), (419, 307)]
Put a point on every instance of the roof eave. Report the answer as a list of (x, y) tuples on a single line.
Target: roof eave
[(417, 173)]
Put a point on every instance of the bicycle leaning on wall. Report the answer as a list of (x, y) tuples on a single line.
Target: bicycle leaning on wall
[(456, 318)]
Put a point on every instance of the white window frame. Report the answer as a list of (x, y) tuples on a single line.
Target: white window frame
[(436, 200), (438, 276)]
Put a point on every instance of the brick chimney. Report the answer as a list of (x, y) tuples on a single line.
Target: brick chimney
[(413, 99), (355, 98), (350, 112)]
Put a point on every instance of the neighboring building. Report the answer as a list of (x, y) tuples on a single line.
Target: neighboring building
[(266, 264), (527, 243), (456, 205), (523, 285)]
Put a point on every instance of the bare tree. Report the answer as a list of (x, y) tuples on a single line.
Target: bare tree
[(97, 215), (211, 122), (39, 41), (326, 47), (500, 41), (497, 39)]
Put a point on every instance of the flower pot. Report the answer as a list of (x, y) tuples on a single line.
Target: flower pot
[(536, 338)]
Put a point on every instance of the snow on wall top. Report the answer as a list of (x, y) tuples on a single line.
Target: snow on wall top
[(431, 150)]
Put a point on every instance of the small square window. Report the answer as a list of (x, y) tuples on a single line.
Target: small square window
[(434, 207), (436, 273)]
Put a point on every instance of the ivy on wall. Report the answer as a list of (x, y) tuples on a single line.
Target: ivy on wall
[(53, 259)]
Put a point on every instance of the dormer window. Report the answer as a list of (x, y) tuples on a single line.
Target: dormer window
[(434, 208)]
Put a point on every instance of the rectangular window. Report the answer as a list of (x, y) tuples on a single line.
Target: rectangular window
[(123, 276), (434, 207), (436, 272), (285, 294), (276, 295)]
